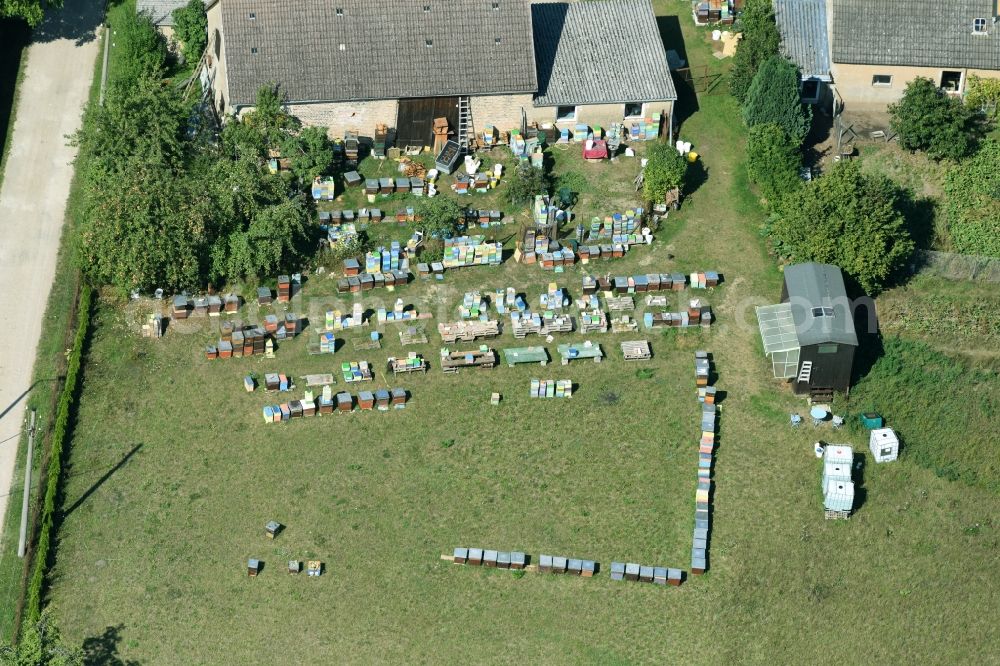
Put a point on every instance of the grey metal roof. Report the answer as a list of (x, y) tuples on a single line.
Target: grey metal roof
[(802, 24), (603, 52), (161, 11), (377, 49), (820, 307), (924, 33)]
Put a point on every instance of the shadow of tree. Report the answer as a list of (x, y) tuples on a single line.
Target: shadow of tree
[(103, 649), (77, 20)]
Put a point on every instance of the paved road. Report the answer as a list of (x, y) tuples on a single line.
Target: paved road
[(56, 83)]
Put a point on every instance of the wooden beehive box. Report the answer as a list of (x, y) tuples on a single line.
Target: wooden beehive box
[(345, 403), (461, 556), (253, 567), (476, 556), (366, 400)]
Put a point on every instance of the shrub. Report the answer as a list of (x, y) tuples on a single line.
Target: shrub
[(846, 218), (440, 215), (526, 183), (773, 161), (760, 41), (774, 98), (140, 50), (983, 96), (972, 207), (665, 170), (191, 28), (930, 120)]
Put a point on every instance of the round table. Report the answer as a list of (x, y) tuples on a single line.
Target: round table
[(818, 413)]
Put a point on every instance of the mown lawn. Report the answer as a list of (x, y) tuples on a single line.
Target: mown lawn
[(155, 548)]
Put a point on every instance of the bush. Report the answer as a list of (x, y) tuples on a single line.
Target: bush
[(53, 475), (774, 98), (526, 183), (665, 170), (140, 50), (846, 218), (760, 41), (930, 120), (972, 207), (983, 96), (773, 161), (440, 215), (191, 28)]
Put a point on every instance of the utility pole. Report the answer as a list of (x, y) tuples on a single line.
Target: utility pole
[(22, 540)]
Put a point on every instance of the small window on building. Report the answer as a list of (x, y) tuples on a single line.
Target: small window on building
[(826, 349), (253, 49), (565, 113), (633, 110), (496, 41), (427, 8), (429, 43), (822, 312), (218, 43), (342, 47), (496, 6), (951, 81), (252, 16), (882, 80), (979, 26), (340, 11)]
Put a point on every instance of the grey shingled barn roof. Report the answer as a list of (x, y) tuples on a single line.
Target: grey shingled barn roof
[(802, 24), (918, 33), (603, 52), (385, 53), (161, 11), (815, 285)]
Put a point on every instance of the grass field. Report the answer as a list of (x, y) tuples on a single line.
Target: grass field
[(173, 475)]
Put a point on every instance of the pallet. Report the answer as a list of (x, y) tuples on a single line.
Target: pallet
[(636, 350), (620, 303), (413, 335)]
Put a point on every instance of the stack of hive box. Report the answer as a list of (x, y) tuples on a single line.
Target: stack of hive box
[(704, 279), (706, 453), (238, 340), (471, 251), (337, 321), (284, 289)]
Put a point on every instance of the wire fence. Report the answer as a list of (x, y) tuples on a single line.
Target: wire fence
[(953, 266)]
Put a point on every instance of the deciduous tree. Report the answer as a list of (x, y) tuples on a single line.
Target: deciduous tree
[(930, 120), (846, 218), (760, 41), (191, 28)]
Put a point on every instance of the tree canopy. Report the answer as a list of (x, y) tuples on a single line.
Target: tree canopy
[(773, 161), (972, 205), (141, 51), (665, 170), (191, 28), (32, 11), (773, 97), (847, 218), (760, 41), (930, 120), (440, 215), (527, 182)]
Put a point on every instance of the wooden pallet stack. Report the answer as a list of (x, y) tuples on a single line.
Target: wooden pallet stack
[(467, 331), (453, 361), (412, 362)]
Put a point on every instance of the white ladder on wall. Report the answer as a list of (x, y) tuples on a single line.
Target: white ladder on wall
[(805, 371), (465, 129)]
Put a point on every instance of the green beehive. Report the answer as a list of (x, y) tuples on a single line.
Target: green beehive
[(871, 420)]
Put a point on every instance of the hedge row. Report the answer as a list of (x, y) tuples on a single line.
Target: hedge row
[(59, 437)]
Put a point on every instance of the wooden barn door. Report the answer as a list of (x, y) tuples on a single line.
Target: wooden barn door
[(415, 120)]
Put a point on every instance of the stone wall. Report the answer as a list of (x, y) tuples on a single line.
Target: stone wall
[(340, 117), (854, 82), (501, 111)]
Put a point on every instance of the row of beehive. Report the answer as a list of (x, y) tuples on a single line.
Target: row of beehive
[(362, 215), (706, 453), (838, 488), (693, 316), (368, 281), (649, 282), (481, 182), (400, 185), (549, 388), (241, 343), (500, 559), (645, 574), (335, 320), (381, 399)]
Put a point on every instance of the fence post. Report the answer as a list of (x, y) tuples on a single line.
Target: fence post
[(23, 536)]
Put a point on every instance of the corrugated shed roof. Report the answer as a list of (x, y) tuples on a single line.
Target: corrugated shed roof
[(161, 11), (602, 52), (802, 24), (377, 50), (814, 287), (919, 33)]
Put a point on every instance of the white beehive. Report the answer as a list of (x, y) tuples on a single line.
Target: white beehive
[(884, 445)]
